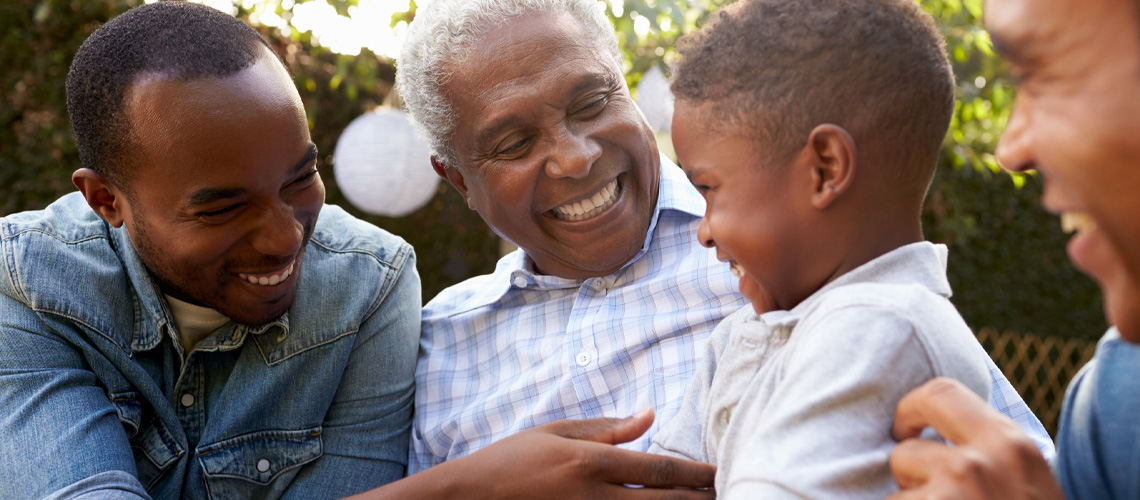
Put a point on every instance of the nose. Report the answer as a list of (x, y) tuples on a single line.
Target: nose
[(704, 234), (279, 232), (573, 155), (1015, 150)]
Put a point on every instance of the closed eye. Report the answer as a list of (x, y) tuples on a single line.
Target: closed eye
[(212, 215), (517, 147), (307, 177), (592, 109)]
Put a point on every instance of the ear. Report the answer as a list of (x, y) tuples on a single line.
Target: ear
[(103, 197), (453, 176), (831, 152)]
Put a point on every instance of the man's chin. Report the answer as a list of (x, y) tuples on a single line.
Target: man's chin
[(1122, 307), (257, 314)]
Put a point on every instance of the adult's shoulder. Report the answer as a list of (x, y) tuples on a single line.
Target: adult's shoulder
[(341, 234), (464, 296), (68, 220), (351, 271), (43, 251), (350, 264)]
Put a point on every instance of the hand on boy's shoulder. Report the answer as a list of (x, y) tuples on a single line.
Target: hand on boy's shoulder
[(991, 456)]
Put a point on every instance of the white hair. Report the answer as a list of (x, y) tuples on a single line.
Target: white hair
[(441, 36)]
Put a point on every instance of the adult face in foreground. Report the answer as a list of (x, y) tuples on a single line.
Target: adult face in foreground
[(1077, 122), (551, 150), (224, 192)]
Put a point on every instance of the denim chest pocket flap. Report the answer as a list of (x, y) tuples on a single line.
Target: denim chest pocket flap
[(129, 409), (148, 437), (153, 446), (259, 457)]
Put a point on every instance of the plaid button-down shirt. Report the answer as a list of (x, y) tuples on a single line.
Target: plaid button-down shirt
[(507, 351)]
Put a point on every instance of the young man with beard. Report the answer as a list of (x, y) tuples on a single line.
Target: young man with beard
[(194, 322)]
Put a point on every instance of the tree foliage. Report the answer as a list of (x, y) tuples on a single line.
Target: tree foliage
[(1007, 259)]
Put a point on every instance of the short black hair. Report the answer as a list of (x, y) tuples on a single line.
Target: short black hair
[(174, 39), (773, 70)]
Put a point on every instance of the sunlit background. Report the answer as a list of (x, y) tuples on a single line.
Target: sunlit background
[(368, 24)]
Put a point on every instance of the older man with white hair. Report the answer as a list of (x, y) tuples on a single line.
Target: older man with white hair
[(603, 310)]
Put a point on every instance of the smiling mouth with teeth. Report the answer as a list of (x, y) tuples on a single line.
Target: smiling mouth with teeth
[(1076, 222), (735, 269), (269, 279), (590, 207)]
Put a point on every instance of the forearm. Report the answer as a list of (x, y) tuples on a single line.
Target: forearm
[(563, 459), (447, 480)]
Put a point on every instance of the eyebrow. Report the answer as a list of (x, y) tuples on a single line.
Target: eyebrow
[(591, 80), (209, 195)]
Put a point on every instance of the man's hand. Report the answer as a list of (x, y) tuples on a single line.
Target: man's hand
[(571, 459), (991, 457)]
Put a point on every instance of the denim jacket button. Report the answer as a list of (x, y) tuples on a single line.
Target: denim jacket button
[(262, 465), (187, 400)]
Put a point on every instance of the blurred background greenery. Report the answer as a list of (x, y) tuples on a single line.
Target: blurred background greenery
[(1007, 261)]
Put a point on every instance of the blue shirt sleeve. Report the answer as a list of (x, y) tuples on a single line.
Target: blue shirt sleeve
[(62, 436)]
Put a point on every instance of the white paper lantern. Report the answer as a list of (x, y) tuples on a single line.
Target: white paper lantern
[(655, 99), (382, 166)]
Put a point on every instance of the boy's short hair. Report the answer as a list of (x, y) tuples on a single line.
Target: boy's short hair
[(775, 69), (174, 39)]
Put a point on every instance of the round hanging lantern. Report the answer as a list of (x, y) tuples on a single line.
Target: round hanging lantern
[(382, 166), (655, 99)]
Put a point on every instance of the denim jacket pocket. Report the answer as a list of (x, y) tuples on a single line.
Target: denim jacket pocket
[(129, 409), (244, 467), (154, 449)]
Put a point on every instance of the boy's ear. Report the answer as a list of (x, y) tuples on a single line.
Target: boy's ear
[(831, 153), (103, 197), (453, 176)]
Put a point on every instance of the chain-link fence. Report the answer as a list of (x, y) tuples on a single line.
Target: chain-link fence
[(1039, 367)]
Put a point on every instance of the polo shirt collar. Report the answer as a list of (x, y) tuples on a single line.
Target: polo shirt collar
[(922, 263)]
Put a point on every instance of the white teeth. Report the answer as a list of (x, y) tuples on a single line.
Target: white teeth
[(1076, 222), (269, 280), (589, 207), (736, 270)]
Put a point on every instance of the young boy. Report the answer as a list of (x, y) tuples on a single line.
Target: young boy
[(812, 128)]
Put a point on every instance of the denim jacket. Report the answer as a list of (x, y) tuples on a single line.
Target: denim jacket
[(1098, 441), (95, 400)]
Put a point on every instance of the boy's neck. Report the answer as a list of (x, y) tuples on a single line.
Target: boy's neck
[(872, 241)]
